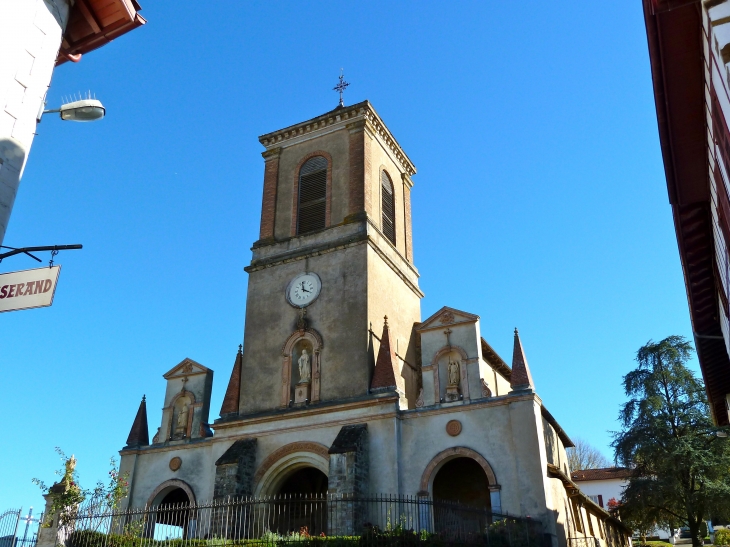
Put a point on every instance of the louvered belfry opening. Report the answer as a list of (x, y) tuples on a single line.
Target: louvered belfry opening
[(312, 195), (388, 207)]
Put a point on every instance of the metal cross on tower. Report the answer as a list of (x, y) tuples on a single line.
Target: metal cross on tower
[(340, 87)]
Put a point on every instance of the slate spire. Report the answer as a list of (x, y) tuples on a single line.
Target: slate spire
[(521, 377), (386, 366), (139, 434), (233, 392)]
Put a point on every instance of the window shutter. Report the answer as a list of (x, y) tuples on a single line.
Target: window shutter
[(312, 195), (388, 207)]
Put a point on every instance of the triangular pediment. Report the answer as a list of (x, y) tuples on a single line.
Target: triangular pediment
[(447, 316), (186, 367)]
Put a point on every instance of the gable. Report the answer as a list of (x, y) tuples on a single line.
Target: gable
[(447, 316), (186, 367)]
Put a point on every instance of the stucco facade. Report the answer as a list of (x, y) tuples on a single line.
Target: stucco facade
[(381, 401)]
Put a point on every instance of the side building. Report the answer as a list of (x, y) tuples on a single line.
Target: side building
[(341, 388), (35, 36), (689, 49)]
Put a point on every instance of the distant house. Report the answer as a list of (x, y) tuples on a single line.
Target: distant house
[(600, 485)]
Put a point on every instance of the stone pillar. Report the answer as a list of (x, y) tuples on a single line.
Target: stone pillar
[(348, 479), (495, 498), (268, 207), (234, 472), (425, 512)]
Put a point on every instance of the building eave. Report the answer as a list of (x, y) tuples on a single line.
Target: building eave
[(675, 39), (94, 23)]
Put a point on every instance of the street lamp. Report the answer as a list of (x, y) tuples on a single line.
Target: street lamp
[(83, 110)]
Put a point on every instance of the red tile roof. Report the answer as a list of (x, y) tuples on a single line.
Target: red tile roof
[(604, 474)]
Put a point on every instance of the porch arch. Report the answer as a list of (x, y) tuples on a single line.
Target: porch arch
[(168, 486), (281, 463), (438, 461)]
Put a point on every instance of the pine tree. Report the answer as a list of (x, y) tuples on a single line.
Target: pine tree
[(681, 468)]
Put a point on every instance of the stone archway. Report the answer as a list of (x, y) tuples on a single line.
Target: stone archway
[(450, 454), (169, 510), (282, 463), (166, 488)]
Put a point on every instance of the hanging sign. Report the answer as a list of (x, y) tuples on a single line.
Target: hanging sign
[(28, 288)]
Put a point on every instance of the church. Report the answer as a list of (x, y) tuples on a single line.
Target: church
[(340, 387)]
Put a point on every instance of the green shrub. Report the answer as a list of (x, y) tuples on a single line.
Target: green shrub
[(722, 537)]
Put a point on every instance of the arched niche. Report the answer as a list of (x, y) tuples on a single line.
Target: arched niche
[(300, 340), (283, 462), (182, 407), (440, 366)]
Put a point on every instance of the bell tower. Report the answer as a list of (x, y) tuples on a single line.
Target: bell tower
[(334, 256)]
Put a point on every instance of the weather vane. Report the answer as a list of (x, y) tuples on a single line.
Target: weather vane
[(340, 87)]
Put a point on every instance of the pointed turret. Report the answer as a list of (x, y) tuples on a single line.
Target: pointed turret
[(233, 392), (139, 434), (521, 377), (386, 366)]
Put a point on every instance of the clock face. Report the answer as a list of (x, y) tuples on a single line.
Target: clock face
[(303, 289)]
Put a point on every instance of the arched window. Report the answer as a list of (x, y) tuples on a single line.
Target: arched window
[(388, 207), (312, 205)]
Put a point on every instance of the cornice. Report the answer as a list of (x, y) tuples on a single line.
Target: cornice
[(339, 118)]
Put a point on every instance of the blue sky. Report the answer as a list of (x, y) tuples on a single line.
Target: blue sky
[(539, 203)]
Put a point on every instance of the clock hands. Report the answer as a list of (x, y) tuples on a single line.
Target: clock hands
[(305, 290)]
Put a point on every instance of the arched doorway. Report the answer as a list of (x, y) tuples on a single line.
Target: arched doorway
[(171, 516), (464, 490), (464, 481), (304, 482), (301, 502)]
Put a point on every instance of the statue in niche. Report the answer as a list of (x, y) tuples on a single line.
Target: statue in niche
[(305, 368), (181, 423), (453, 370)]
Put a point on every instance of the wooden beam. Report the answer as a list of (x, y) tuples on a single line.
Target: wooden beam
[(89, 16)]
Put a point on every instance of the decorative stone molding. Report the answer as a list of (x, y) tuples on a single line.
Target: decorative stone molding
[(341, 117), (446, 318), (453, 428), (315, 339), (175, 463), (419, 401), (168, 486), (449, 454)]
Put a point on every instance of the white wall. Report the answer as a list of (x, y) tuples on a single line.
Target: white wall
[(30, 37)]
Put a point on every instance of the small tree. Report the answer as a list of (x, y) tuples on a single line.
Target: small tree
[(680, 467), (585, 456)]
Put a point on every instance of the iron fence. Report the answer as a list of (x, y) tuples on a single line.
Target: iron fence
[(302, 521), (12, 524), (587, 541)]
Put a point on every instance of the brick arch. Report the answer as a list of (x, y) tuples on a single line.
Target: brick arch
[(295, 190), (292, 455), (452, 453), (169, 485)]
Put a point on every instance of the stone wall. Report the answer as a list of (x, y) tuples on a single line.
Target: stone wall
[(30, 36), (235, 469)]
